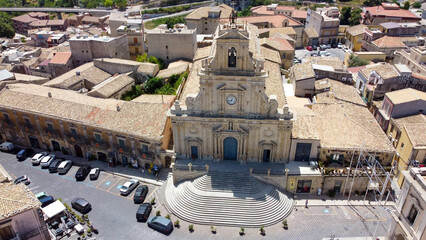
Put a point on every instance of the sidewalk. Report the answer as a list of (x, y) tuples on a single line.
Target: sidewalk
[(319, 202), (139, 174)]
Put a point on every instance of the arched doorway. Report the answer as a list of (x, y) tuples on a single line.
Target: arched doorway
[(78, 151), (56, 146), (230, 148), (168, 161)]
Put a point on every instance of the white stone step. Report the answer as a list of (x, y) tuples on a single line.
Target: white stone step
[(201, 202)]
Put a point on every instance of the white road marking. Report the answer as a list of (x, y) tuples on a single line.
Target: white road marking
[(35, 187)]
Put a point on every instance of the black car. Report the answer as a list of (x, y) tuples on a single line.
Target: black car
[(82, 173), (24, 154), (22, 179), (81, 205), (46, 200), (53, 167), (143, 212), (140, 194)]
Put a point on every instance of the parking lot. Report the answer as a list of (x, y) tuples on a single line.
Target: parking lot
[(334, 52), (114, 215)]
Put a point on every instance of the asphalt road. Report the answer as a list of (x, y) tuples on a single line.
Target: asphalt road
[(113, 214)]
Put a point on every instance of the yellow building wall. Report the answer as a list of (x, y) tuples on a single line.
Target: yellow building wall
[(403, 147)]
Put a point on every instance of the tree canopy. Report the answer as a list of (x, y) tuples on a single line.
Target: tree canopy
[(6, 28), (355, 61)]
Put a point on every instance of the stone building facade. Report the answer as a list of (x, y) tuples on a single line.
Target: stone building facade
[(238, 112), (70, 123)]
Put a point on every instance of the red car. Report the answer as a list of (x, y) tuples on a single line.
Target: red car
[(309, 48)]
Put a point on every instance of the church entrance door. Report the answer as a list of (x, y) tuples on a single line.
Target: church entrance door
[(230, 146)]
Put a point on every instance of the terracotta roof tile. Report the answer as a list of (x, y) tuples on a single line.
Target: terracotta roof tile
[(61, 58), (389, 42), (24, 18), (15, 199), (379, 11), (276, 20)]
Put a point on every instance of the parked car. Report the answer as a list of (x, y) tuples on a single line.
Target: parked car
[(81, 205), (324, 53), (140, 194), (22, 179), (128, 186), (160, 224), (323, 47), (41, 195), (45, 162), (46, 200), (309, 48), (24, 154), (339, 45), (314, 54), (143, 212), (6, 147), (64, 167), (36, 159), (94, 173), (82, 173), (53, 167), (328, 46)]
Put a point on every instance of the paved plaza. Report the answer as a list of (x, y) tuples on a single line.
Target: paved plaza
[(114, 215)]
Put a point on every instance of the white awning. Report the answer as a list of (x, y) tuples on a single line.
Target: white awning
[(53, 209)]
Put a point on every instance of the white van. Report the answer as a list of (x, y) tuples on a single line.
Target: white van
[(64, 167)]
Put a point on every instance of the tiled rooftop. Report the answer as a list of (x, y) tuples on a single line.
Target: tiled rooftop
[(406, 95), (136, 119), (15, 199)]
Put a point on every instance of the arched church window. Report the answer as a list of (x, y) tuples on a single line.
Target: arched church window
[(232, 57)]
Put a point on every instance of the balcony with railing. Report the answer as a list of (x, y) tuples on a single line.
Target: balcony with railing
[(99, 144), (123, 149), (51, 132), (75, 138)]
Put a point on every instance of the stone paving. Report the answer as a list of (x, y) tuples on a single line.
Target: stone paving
[(315, 222)]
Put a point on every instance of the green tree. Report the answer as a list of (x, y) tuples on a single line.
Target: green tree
[(417, 5), (152, 84), (108, 3), (355, 17), (345, 15), (355, 61), (6, 28), (121, 4), (245, 13), (406, 5)]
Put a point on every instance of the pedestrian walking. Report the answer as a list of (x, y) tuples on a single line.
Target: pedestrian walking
[(306, 203)]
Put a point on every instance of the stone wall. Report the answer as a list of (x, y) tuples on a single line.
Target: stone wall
[(184, 172), (279, 181)]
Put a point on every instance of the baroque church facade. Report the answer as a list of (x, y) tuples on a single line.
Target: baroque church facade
[(230, 116)]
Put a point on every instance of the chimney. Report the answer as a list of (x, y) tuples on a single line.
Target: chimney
[(77, 73), (49, 94), (118, 108)]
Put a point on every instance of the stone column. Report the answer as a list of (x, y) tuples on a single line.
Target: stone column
[(132, 143), (175, 138), (286, 177), (85, 132), (111, 141), (61, 125)]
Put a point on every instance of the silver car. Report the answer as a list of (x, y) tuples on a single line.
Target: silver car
[(128, 187), (35, 160), (45, 162), (64, 167)]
